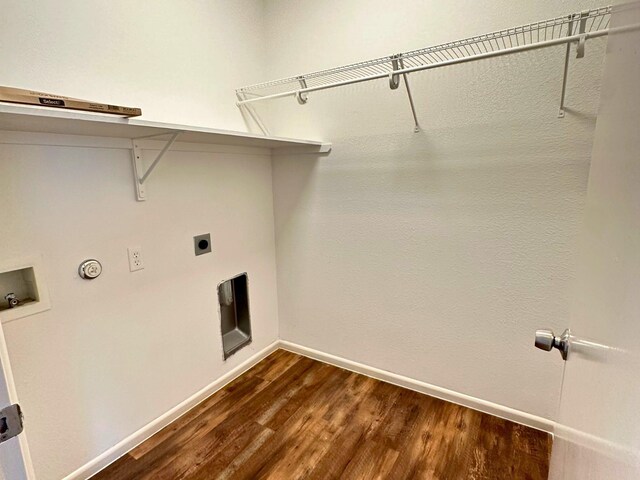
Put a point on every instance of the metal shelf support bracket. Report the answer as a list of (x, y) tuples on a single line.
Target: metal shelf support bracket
[(405, 76), (252, 113), (394, 83), (582, 40), (302, 97), (139, 172), (394, 78), (582, 31)]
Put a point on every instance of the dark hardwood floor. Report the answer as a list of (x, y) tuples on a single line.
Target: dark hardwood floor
[(292, 417)]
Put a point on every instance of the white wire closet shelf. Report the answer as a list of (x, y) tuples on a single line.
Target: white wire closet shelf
[(567, 29)]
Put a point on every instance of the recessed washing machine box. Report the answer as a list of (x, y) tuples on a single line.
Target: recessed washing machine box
[(22, 291), (235, 320)]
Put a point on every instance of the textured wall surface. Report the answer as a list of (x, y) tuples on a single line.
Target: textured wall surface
[(180, 61), (433, 255), (114, 354)]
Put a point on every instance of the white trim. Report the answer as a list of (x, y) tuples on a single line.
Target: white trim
[(595, 445), (136, 438), (323, 149), (5, 370), (86, 141), (474, 403), (29, 118), (8, 137)]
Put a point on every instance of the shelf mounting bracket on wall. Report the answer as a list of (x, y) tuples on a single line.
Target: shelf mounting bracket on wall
[(138, 162), (582, 40), (405, 77), (394, 82), (302, 97), (252, 113)]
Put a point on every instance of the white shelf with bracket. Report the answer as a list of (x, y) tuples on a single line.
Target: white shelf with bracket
[(25, 118), (572, 29)]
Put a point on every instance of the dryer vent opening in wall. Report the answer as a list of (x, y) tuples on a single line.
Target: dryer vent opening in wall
[(235, 321)]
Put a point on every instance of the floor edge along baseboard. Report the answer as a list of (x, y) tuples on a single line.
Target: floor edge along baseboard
[(136, 438), (133, 440), (495, 409)]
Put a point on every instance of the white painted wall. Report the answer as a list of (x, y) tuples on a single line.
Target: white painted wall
[(180, 61), (114, 354), (417, 254), (433, 255)]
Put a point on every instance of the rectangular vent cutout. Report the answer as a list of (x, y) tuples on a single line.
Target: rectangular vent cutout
[(235, 321)]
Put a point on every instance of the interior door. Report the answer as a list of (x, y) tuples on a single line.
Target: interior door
[(598, 436), (15, 463)]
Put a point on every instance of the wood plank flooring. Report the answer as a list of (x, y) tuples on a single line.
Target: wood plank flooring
[(291, 417)]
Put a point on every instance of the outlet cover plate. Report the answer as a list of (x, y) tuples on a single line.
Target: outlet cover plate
[(135, 259), (202, 244)]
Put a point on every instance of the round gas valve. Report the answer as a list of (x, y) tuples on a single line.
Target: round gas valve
[(90, 269)]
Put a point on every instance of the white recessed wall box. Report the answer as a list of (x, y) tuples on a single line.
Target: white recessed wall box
[(23, 291)]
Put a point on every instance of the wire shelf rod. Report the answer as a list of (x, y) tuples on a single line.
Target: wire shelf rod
[(442, 63)]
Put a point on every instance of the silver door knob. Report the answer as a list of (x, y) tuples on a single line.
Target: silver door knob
[(546, 340)]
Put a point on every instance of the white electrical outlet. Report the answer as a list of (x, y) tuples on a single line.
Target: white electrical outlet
[(135, 259)]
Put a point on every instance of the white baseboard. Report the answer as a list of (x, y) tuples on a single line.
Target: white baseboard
[(491, 408), (136, 438)]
